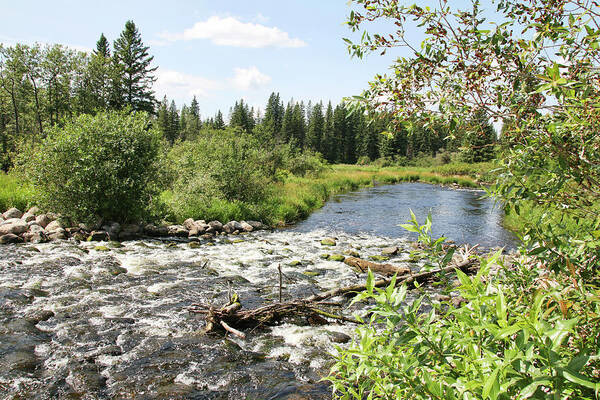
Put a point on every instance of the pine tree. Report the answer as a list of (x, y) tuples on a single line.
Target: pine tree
[(316, 127), (173, 123), (218, 122), (163, 119), (102, 47), (328, 143), (135, 87)]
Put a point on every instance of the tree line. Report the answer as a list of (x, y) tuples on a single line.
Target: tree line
[(338, 134), (43, 86)]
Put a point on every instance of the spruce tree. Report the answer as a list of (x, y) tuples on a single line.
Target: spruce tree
[(137, 74), (316, 127), (218, 122)]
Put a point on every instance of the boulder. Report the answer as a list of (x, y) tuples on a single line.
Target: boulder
[(232, 226), (15, 226), (189, 224), (34, 211), (33, 228), (36, 237), (196, 230), (246, 226), (155, 231), (339, 337), (28, 217), (177, 230), (256, 225), (113, 229), (12, 213), (130, 231), (43, 220), (200, 222), (98, 236), (54, 225), (58, 234), (10, 238), (215, 226), (390, 251)]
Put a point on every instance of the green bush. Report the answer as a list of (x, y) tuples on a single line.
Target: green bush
[(217, 167), (103, 166)]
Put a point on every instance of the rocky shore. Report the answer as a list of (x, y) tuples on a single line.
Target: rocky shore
[(36, 227)]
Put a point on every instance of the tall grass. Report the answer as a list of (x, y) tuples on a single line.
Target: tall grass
[(15, 192)]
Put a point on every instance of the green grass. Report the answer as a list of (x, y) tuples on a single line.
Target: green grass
[(15, 192)]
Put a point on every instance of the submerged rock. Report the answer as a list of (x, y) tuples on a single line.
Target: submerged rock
[(390, 251), (328, 242), (98, 236), (339, 337)]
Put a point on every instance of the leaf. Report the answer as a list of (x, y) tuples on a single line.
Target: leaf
[(580, 380), (370, 280), (530, 389), (491, 387)]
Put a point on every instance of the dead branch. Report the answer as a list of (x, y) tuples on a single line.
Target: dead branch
[(382, 269), (233, 319)]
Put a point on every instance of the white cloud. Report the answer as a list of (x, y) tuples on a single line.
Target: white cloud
[(179, 85), (229, 31), (249, 78)]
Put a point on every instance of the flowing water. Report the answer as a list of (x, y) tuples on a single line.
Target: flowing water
[(76, 322)]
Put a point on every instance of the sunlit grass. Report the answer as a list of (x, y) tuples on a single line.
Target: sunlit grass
[(15, 192)]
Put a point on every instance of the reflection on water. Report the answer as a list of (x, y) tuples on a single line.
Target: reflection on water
[(460, 215)]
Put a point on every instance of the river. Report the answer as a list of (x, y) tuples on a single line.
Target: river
[(76, 322)]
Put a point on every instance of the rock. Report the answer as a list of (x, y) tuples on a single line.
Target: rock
[(311, 273), (246, 226), (379, 258), (58, 234), (35, 228), (232, 226), (177, 230), (390, 251), (328, 242), (53, 226), (43, 220), (27, 217), (336, 257), (98, 236), (198, 228), (194, 245), (189, 224), (113, 230), (339, 337), (116, 270), (256, 225), (12, 213), (352, 253), (10, 238), (155, 231), (33, 210), (101, 248), (295, 263), (13, 225), (130, 231), (36, 237), (216, 226)]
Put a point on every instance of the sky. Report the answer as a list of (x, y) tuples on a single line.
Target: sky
[(219, 51)]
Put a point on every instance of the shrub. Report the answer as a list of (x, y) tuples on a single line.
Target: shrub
[(218, 166), (102, 166)]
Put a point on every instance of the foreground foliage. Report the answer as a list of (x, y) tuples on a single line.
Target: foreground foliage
[(521, 333), (102, 166)]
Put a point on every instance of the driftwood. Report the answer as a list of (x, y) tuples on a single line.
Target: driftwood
[(233, 319), (382, 269)]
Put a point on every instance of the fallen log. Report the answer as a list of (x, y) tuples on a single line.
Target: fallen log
[(233, 319), (382, 269)]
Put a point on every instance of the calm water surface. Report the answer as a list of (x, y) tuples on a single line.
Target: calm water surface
[(460, 215)]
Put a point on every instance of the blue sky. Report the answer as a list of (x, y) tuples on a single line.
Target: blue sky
[(220, 51)]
